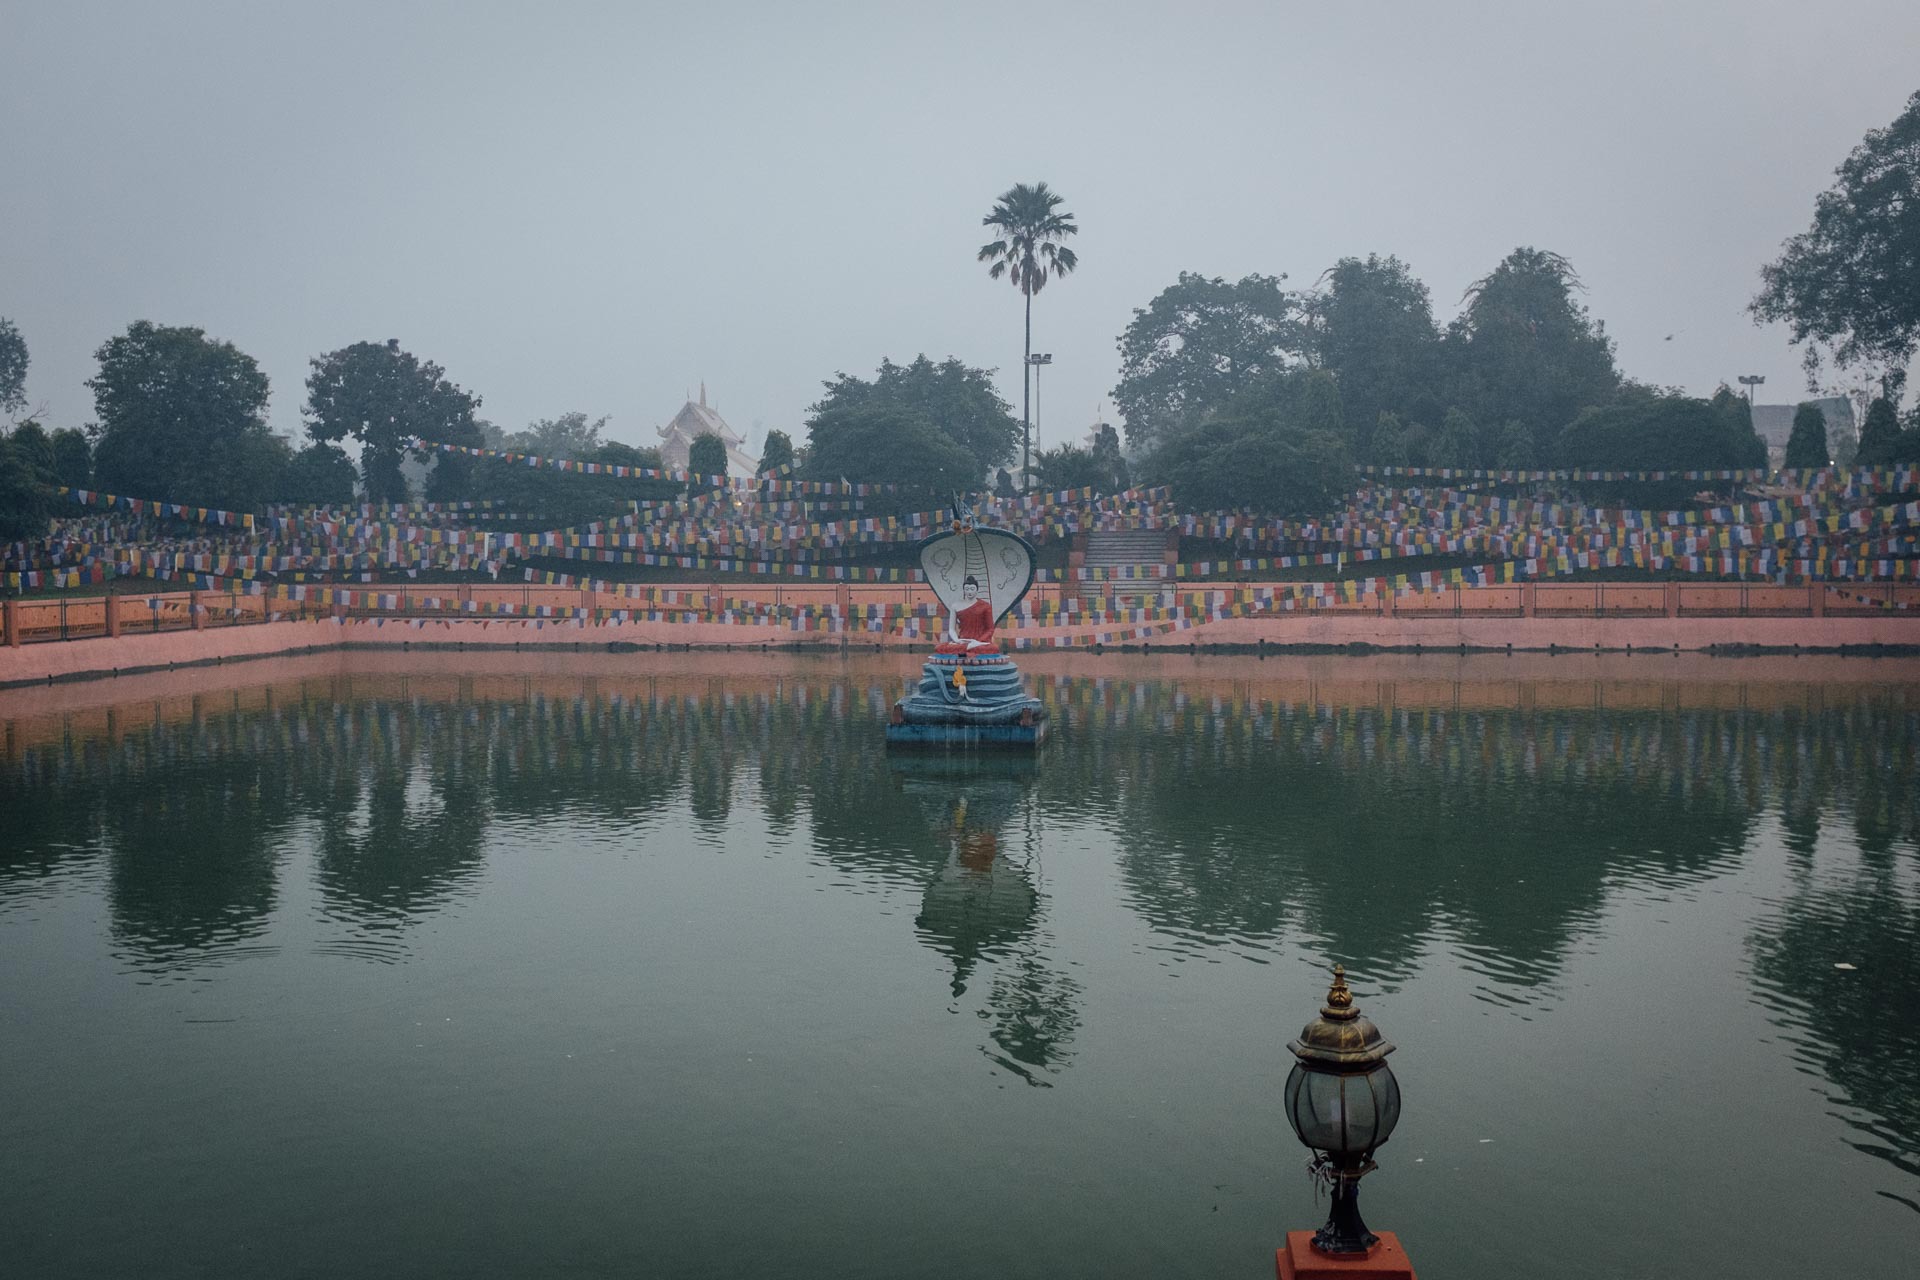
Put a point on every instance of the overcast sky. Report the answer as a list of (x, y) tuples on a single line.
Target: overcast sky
[(595, 207)]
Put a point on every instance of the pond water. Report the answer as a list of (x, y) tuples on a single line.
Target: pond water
[(603, 971)]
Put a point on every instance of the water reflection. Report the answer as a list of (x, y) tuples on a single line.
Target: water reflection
[(983, 903), (1379, 828)]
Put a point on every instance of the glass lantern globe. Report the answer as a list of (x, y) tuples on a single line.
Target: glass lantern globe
[(1343, 1102)]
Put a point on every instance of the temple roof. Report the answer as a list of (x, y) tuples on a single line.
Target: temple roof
[(697, 419)]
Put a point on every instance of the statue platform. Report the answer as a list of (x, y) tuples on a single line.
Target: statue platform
[(966, 701)]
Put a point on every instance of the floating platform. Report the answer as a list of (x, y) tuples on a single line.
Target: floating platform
[(965, 702)]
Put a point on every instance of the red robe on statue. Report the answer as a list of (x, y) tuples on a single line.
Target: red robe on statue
[(975, 625)]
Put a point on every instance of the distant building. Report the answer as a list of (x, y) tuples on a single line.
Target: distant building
[(1774, 422), (696, 420)]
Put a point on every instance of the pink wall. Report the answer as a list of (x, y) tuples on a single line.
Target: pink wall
[(103, 656)]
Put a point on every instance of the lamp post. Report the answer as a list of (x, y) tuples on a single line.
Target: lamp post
[(1037, 360), (1750, 381), (1343, 1103)]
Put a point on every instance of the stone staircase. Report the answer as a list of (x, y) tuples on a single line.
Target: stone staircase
[(1123, 550)]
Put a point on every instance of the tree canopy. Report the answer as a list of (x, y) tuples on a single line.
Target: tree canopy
[(1199, 343), (887, 443), (379, 395), (1807, 443), (957, 401), (72, 458), (1879, 434), (1849, 286), (1277, 447), (320, 475), (182, 418), (1371, 326), (13, 368), (777, 452), (1650, 431), (1525, 349), (707, 455), (572, 436)]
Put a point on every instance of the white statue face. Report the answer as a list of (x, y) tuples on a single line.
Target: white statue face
[(969, 593)]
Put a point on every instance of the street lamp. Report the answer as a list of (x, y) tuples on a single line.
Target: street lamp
[(1750, 381), (1342, 1102), (1037, 360)]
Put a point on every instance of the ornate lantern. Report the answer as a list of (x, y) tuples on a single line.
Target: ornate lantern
[(1342, 1102)]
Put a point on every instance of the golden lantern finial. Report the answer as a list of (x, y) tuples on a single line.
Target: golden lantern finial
[(1339, 1004)]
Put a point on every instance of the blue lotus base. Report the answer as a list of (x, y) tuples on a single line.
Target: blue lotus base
[(968, 702)]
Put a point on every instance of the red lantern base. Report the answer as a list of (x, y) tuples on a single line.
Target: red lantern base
[(1301, 1261)]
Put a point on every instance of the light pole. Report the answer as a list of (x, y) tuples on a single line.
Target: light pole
[(1038, 359), (1750, 381)]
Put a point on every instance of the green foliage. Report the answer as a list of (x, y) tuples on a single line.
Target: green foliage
[(1525, 350), (1458, 444), (1879, 435), (24, 498), (182, 418), (1849, 285), (13, 368), (319, 475), (1198, 344), (1027, 251), (883, 443), (572, 436), (34, 447), (379, 395), (72, 458), (1275, 448), (957, 401), (777, 452), (1372, 328), (1659, 432), (707, 455), (1516, 451), (1069, 467), (568, 498), (1807, 444)]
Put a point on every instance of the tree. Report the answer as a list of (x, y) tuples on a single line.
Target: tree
[(13, 368), (24, 500), (1199, 343), (1525, 349), (1849, 286), (1115, 475), (1516, 452), (1068, 467), (958, 401), (72, 458), (380, 396), (1372, 328), (1807, 444), (1663, 432), (572, 436), (320, 475), (1457, 444), (1879, 435), (1276, 448), (776, 453), (182, 418), (887, 444), (1028, 253), (707, 455)]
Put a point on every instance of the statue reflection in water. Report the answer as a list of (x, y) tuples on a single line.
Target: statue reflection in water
[(984, 912)]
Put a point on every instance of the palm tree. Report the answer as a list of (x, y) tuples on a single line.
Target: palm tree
[(1028, 253)]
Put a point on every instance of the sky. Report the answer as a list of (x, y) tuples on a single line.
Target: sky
[(599, 207)]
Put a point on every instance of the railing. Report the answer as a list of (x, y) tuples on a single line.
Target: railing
[(37, 621)]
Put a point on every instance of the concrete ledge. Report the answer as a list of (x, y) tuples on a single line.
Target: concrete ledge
[(1328, 632)]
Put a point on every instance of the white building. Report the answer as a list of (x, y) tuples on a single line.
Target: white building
[(695, 420)]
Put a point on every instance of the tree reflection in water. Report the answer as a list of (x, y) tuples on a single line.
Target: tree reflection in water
[(1366, 830)]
